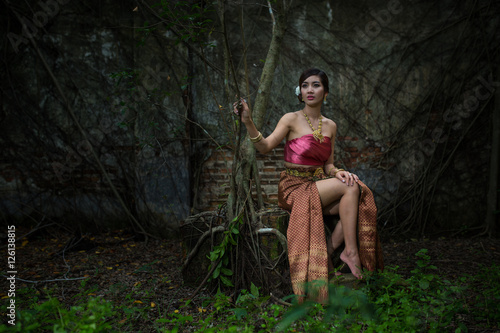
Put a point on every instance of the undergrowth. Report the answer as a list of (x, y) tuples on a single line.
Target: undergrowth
[(385, 302)]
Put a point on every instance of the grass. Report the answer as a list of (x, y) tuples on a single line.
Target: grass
[(386, 302)]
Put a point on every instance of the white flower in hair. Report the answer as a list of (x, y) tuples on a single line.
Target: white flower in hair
[(297, 91)]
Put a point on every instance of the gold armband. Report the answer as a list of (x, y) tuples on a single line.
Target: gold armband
[(257, 138)]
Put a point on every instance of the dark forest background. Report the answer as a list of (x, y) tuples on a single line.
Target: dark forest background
[(110, 109)]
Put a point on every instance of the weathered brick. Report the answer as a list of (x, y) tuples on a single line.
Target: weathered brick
[(215, 177)]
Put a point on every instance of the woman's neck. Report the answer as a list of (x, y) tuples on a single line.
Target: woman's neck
[(313, 112)]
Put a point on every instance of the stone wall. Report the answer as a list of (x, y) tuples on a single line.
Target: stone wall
[(104, 91)]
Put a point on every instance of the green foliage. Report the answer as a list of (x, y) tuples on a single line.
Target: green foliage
[(346, 308), (387, 302), (423, 300), (92, 315), (487, 300), (248, 302), (189, 22), (220, 255)]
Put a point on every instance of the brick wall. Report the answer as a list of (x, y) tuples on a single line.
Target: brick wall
[(214, 181), (356, 152)]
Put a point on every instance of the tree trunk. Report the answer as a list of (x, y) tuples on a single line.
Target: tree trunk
[(245, 256), (246, 163), (266, 78)]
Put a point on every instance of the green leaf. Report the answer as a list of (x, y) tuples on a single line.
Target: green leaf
[(226, 271), (226, 281), (254, 290), (240, 313), (213, 256), (295, 313), (424, 284), (216, 272)]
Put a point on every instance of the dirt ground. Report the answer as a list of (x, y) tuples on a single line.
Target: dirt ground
[(116, 264)]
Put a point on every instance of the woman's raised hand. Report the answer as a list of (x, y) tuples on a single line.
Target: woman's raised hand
[(242, 107)]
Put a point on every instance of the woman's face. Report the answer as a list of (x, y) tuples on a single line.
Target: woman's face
[(312, 90)]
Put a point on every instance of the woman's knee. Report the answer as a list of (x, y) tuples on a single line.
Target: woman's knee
[(354, 190)]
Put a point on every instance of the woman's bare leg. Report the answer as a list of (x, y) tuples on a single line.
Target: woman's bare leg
[(335, 240), (337, 237), (331, 190)]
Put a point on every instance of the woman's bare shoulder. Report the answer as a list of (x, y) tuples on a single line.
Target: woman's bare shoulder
[(329, 122), (289, 117)]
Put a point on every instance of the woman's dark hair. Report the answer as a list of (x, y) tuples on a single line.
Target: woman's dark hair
[(310, 72)]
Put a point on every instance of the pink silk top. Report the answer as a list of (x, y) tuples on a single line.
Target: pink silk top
[(307, 151)]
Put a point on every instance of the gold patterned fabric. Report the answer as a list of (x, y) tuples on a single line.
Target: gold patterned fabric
[(307, 252), (370, 249), (294, 172)]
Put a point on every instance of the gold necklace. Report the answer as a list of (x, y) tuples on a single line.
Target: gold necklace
[(316, 132)]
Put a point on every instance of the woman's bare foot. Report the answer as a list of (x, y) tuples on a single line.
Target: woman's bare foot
[(351, 258)]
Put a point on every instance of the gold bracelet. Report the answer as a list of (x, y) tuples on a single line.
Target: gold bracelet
[(257, 138), (338, 170)]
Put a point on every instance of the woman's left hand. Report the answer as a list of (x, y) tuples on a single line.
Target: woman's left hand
[(346, 177)]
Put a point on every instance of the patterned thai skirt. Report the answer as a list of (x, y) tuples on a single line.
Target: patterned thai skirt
[(307, 253)]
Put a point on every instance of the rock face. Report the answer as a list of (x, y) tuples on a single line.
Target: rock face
[(106, 113)]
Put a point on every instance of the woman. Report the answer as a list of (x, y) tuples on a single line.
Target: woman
[(312, 185)]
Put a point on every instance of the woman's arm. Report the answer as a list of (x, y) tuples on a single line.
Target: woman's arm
[(331, 170), (329, 167), (262, 144)]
